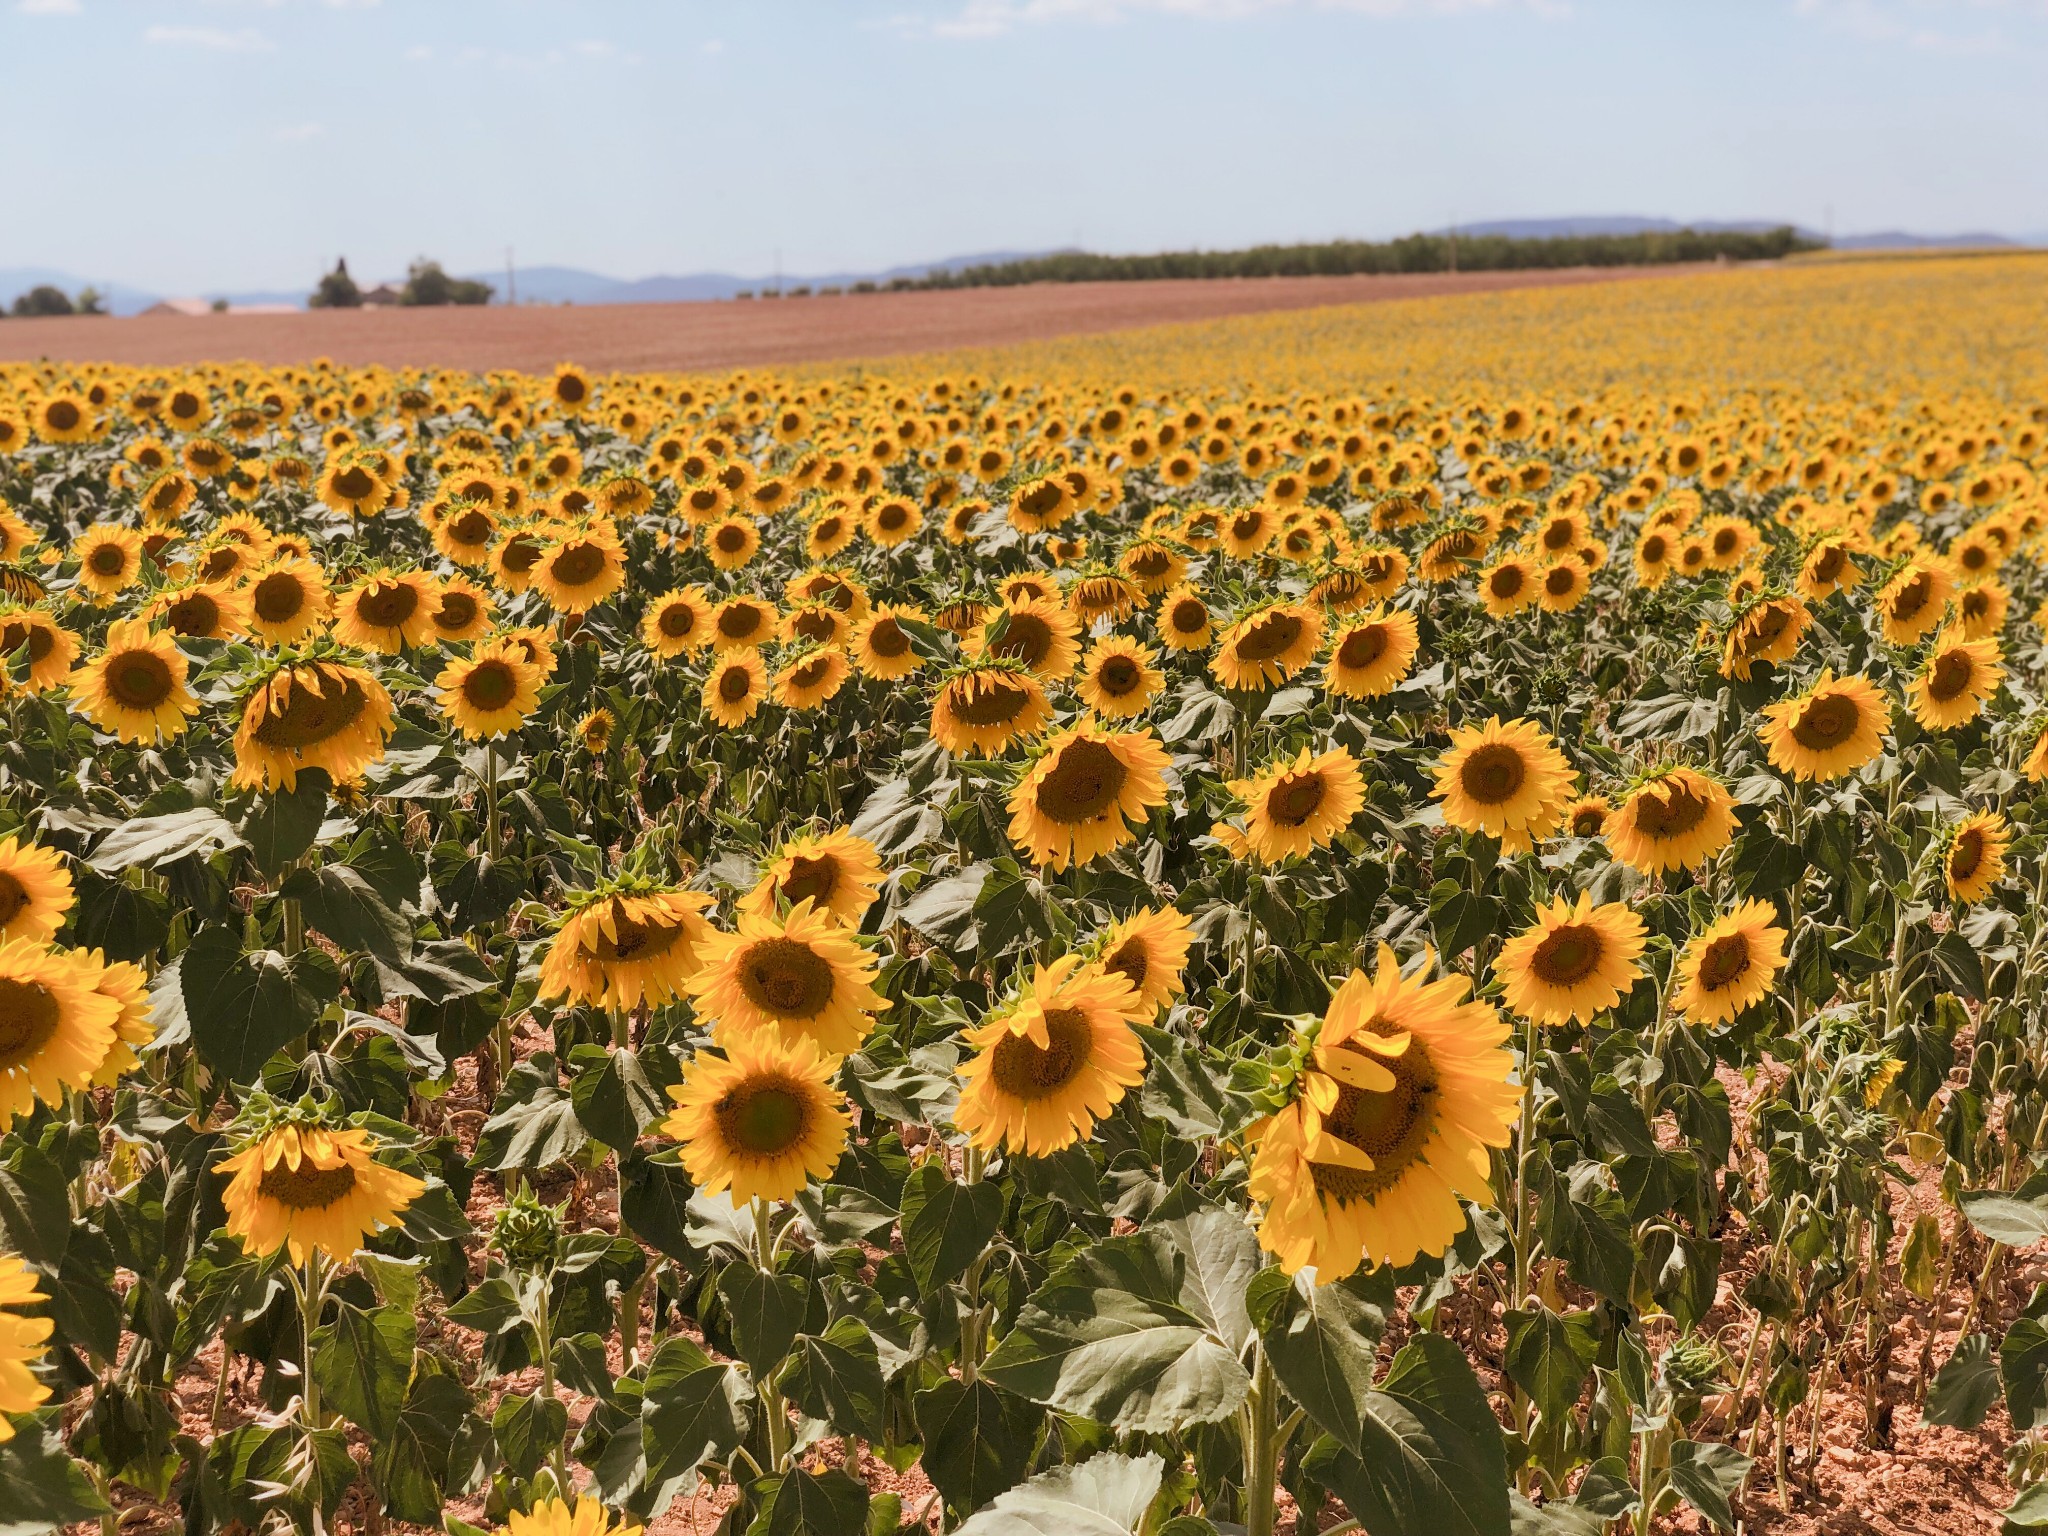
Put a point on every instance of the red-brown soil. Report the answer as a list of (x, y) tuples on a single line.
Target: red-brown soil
[(708, 336)]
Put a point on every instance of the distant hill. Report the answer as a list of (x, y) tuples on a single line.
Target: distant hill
[(573, 285)]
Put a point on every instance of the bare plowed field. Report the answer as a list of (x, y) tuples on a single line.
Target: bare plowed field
[(687, 337)]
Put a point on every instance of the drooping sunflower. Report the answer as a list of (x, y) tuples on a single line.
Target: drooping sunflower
[(1039, 632), (1832, 729), (1573, 961), (109, 558), (1184, 623), (1371, 655), (1052, 1063), (310, 1187), (983, 709), (1730, 965), (1768, 630), (880, 645), (23, 1341), (35, 891), (1300, 804), (1080, 796), (55, 1028), (1503, 780), (1118, 678), (625, 947), (491, 693), (735, 687), (311, 714), (1267, 647), (386, 611), (838, 873), (50, 646), (1911, 604), (1829, 567), (762, 1120), (289, 601), (1974, 861), (1149, 949), (1677, 818), (136, 689), (1394, 1117), (811, 677), (1953, 683), (800, 976)]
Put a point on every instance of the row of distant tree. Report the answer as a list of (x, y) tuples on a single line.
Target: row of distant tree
[(47, 299), (425, 285)]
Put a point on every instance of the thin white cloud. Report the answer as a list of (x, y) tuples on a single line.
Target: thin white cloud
[(298, 133), (48, 7), (418, 53), (221, 40), (711, 45), (1918, 24), (993, 18)]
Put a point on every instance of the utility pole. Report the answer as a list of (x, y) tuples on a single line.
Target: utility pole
[(511, 283)]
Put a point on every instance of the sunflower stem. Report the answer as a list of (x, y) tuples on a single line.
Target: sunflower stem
[(312, 1289), (1262, 1451), (973, 1334), (1525, 1212), (492, 844), (775, 1416)]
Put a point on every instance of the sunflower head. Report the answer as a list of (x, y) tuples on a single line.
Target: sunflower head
[(303, 1179)]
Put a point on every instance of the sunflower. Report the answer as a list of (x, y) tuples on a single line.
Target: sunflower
[(351, 485), (1184, 623), (1677, 818), (1730, 965), (135, 689), (813, 623), (881, 647), (1371, 655), (1829, 567), (386, 611), (109, 558), (1052, 1063), (677, 624), (51, 647), (23, 1341), (1981, 609), (1149, 949), (982, 710), (795, 977), (1573, 961), (741, 621), (1974, 861), (1587, 816), (288, 601), (1298, 805), (1154, 565), (732, 541), (1039, 632), (626, 947), (1118, 679), (1078, 798), (1394, 1116), (459, 610), (1767, 630), (735, 687), (491, 694), (1911, 604), (1562, 586), (464, 533), (128, 986), (55, 1028), (35, 891), (811, 677), (1832, 729), (311, 714), (309, 1188), (579, 570), (1267, 647), (594, 731), (1503, 780), (167, 496), (1956, 679), (1508, 586), (838, 873), (762, 1120)]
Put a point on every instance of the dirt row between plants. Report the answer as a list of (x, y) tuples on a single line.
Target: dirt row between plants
[(739, 333)]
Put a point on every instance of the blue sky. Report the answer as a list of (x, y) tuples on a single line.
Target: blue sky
[(183, 145)]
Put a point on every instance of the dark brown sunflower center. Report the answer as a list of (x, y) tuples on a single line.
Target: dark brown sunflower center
[(139, 679), (278, 598), (29, 1016), (740, 622), (355, 484), (1296, 798), (812, 879), (1912, 597), (813, 673), (1391, 1127), (1119, 675), (62, 415), (1567, 955), (309, 718), (786, 978), (1673, 813), (1026, 637), (470, 529), (1506, 582), (734, 684), (630, 940), (887, 641), (1966, 854), (1655, 549), (1951, 676), (1151, 563), (578, 564), (108, 560), (1588, 821), (1269, 637), (13, 897), (490, 685), (388, 606), (1724, 962), (521, 556), (306, 1188), (194, 614), (1363, 647), (1023, 1071), (1493, 774), (1560, 581), (730, 539), (764, 1118), (677, 620), (1084, 783), (1189, 617), (994, 702), (1826, 722), (1130, 961), (1726, 542), (1558, 536), (458, 610), (1827, 564)]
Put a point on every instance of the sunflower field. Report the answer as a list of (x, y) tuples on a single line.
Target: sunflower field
[(1425, 920)]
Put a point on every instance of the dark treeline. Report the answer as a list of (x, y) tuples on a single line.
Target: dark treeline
[(1413, 253)]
